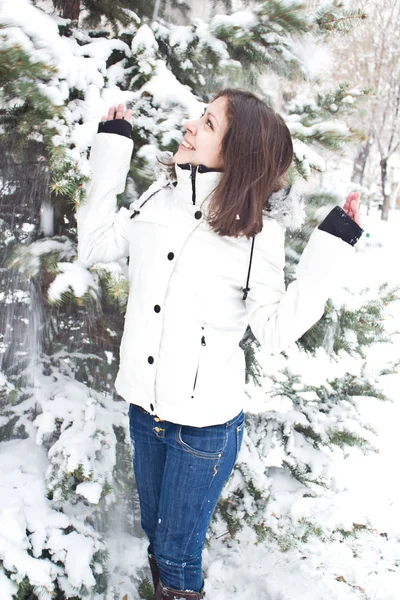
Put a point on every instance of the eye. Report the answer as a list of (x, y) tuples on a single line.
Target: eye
[(208, 121)]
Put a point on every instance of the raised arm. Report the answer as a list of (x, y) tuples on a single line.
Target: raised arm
[(103, 230), (278, 316)]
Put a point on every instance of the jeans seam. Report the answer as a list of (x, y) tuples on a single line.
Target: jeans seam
[(199, 513)]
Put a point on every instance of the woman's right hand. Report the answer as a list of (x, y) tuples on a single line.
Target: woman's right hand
[(118, 113)]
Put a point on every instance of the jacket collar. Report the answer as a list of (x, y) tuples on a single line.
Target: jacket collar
[(194, 185)]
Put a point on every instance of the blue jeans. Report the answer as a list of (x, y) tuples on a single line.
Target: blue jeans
[(180, 472)]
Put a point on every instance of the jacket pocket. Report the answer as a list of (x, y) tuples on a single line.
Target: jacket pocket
[(202, 346)]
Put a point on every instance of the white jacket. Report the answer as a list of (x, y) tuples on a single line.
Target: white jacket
[(180, 357)]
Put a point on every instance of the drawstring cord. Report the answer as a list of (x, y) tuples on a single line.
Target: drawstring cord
[(247, 289), (137, 212)]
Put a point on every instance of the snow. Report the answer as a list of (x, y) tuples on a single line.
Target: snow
[(7, 587), (65, 548), (90, 491), (307, 157), (204, 32), (245, 19), (181, 36), (298, 129), (101, 49), (24, 507), (179, 94), (293, 217), (73, 277), (28, 520), (144, 41)]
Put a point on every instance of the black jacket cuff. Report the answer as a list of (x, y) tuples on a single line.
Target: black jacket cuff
[(338, 223), (118, 126)]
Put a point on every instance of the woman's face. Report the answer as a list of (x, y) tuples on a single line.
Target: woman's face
[(202, 142)]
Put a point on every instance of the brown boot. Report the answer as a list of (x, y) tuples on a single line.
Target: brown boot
[(155, 571), (166, 593)]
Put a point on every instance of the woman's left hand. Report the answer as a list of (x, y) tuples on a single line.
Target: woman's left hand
[(352, 207)]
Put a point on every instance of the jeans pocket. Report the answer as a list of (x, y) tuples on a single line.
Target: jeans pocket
[(203, 442), (239, 438)]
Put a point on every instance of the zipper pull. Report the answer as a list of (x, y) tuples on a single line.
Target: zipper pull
[(203, 341), (193, 178)]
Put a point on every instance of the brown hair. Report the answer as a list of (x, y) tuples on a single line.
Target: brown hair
[(257, 151)]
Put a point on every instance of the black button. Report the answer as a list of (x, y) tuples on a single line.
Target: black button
[(170, 255), (151, 407), (150, 360), (198, 214), (157, 308)]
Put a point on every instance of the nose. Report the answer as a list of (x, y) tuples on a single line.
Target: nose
[(191, 127)]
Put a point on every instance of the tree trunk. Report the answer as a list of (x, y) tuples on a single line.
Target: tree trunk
[(156, 10), (360, 162), (71, 9), (385, 195)]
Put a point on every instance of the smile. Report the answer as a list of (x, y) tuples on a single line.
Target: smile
[(186, 144)]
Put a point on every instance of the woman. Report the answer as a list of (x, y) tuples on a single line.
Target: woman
[(205, 260)]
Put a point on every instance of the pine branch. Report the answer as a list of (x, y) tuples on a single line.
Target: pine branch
[(291, 18), (334, 18), (344, 438)]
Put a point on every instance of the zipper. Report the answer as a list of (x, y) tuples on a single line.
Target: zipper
[(193, 178), (203, 343)]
